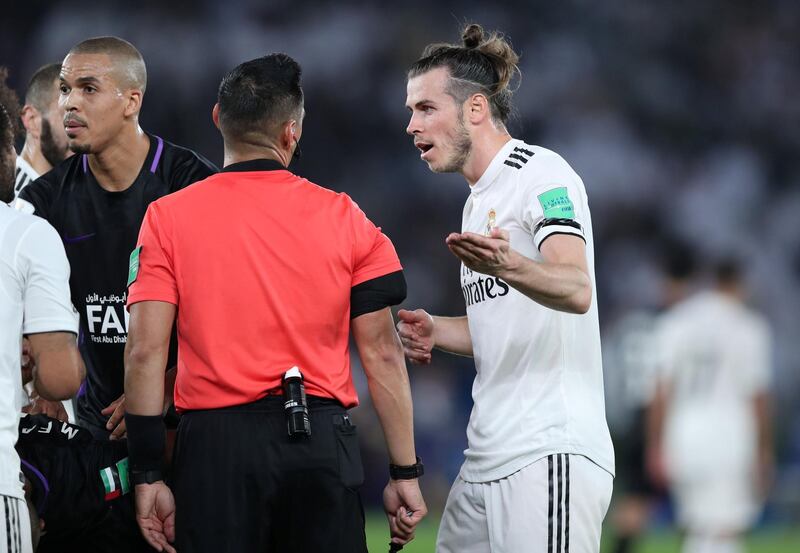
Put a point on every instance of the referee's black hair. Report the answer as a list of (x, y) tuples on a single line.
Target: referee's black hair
[(481, 64), (259, 95)]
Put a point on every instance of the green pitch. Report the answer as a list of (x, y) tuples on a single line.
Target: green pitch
[(766, 541)]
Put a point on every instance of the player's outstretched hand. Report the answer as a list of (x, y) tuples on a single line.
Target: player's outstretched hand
[(155, 515), (404, 507), (416, 332), (116, 422), (489, 255)]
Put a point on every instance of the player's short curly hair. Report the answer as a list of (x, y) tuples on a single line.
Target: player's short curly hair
[(10, 103)]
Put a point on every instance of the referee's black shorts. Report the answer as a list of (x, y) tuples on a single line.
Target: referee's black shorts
[(241, 485)]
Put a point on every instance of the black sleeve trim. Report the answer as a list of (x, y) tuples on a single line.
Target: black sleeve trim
[(567, 233), (377, 293), (560, 222)]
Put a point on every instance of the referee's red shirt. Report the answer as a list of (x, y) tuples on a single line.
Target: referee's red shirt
[(260, 264)]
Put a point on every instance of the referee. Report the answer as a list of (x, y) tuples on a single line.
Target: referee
[(265, 271)]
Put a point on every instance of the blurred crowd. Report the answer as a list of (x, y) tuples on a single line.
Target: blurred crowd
[(683, 120)]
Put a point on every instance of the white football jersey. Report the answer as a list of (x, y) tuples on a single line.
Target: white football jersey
[(24, 175), (539, 384), (34, 297), (716, 356)]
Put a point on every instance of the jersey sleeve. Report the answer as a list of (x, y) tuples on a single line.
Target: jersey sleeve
[(373, 253), (553, 201), (45, 270), (151, 274)]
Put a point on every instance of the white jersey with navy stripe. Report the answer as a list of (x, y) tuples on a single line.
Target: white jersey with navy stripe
[(15, 533), (25, 174), (34, 298), (539, 384)]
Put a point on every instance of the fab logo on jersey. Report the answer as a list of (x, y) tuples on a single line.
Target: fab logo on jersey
[(478, 287), (107, 318)]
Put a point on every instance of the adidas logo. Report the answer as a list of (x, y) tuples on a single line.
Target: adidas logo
[(518, 158)]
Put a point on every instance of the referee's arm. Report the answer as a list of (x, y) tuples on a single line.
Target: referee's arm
[(382, 357), (146, 355)]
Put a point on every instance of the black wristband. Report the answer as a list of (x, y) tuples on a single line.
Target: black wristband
[(407, 472), (145, 476), (146, 438)]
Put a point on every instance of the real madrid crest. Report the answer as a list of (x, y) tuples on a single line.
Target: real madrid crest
[(492, 222)]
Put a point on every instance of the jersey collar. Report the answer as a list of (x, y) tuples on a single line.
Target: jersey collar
[(495, 167), (254, 165)]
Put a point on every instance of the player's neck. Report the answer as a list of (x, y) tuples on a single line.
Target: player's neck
[(32, 153), (118, 165), (485, 146)]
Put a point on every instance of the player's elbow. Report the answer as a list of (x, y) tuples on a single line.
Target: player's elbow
[(581, 301), (59, 374)]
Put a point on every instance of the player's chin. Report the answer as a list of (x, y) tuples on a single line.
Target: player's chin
[(79, 147)]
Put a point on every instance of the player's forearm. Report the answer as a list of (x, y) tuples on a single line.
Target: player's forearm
[(764, 425), (559, 286), (451, 334)]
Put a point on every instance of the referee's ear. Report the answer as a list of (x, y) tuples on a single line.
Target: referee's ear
[(215, 115)]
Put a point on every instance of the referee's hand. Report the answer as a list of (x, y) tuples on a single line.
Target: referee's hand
[(155, 515), (416, 332), (404, 507)]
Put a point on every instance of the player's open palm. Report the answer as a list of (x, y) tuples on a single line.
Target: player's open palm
[(155, 514), (416, 332)]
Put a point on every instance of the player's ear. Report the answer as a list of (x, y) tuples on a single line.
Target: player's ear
[(215, 115), (134, 102), (31, 120), (477, 108)]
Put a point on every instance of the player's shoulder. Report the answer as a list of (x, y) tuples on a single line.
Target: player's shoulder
[(17, 226), (183, 154), (57, 177), (540, 164), (179, 165)]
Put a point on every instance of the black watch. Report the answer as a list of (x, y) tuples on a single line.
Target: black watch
[(408, 472), (145, 476)]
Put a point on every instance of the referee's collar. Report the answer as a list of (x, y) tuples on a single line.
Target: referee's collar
[(254, 165)]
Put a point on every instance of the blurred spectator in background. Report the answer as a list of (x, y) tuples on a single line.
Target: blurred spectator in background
[(45, 140), (631, 364), (710, 432)]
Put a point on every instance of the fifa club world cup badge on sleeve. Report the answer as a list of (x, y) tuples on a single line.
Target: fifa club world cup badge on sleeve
[(492, 222)]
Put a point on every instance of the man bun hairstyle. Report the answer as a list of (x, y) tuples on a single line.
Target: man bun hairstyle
[(259, 95), (482, 63)]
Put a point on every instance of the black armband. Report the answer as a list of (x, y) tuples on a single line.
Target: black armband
[(146, 439), (377, 293)]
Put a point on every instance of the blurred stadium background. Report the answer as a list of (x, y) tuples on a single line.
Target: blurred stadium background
[(683, 118)]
